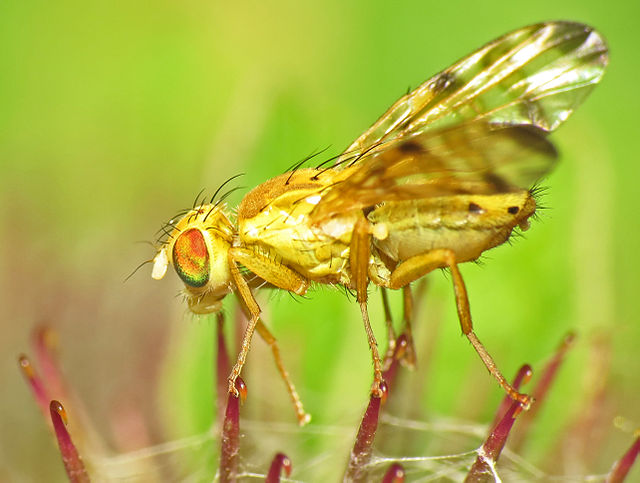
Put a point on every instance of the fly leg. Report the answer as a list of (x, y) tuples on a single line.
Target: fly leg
[(267, 336), (253, 309), (280, 276), (359, 254), (409, 357), (418, 266), (391, 334)]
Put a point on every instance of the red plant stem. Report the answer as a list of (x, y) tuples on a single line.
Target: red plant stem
[(548, 376), (395, 474), (45, 346), (622, 467), (223, 366), (72, 462), (522, 377), (550, 371), (498, 437), (361, 452), (38, 389), (230, 440), (488, 454), (280, 462), (389, 375)]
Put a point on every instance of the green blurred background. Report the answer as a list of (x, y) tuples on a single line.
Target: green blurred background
[(114, 115)]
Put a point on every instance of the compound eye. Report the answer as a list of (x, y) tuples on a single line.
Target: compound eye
[(191, 258)]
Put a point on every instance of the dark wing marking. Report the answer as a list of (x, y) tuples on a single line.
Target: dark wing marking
[(469, 158)]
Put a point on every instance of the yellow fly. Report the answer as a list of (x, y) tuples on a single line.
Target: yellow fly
[(442, 176)]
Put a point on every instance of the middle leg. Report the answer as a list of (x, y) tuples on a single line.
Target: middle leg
[(359, 254)]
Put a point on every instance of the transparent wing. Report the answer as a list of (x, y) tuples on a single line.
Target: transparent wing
[(477, 127), (533, 76), (469, 158)]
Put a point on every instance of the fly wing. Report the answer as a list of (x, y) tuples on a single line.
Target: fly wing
[(477, 127), (534, 76), (469, 158)]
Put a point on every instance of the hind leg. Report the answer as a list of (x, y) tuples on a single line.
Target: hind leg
[(418, 266)]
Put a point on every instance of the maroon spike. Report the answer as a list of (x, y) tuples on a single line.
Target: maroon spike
[(223, 367), (522, 377), (72, 462), (483, 468), (38, 388), (395, 474), (361, 452), (621, 467), (45, 345), (230, 441), (50, 384), (550, 371), (401, 345), (280, 462), (548, 376)]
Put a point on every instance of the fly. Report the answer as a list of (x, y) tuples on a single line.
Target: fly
[(444, 175)]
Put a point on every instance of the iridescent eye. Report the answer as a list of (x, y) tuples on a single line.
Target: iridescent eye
[(191, 258)]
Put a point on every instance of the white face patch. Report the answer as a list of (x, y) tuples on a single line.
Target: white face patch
[(160, 264)]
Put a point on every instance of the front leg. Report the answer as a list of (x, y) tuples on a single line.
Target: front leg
[(253, 309), (281, 277), (269, 270)]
